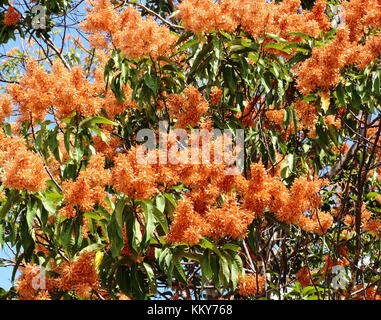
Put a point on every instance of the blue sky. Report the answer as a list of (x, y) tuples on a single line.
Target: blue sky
[(5, 272)]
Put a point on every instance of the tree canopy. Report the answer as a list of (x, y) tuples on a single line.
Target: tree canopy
[(107, 190)]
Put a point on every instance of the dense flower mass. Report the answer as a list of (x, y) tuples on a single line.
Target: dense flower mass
[(193, 149), (88, 189), (12, 16), (22, 169), (322, 70), (136, 180), (147, 38), (68, 91), (77, 275), (187, 109), (206, 16), (5, 107), (251, 285)]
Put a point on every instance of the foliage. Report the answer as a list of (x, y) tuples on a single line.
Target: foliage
[(304, 89)]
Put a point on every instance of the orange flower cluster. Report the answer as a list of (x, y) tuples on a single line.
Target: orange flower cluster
[(215, 96), (306, 113), (304, 276), (22, 168), (136, 37), (253, 284), (79, 276), (363, 54), (108, 149), (88, 189), (330, 262), (229, 221), (187, 109), (368, 223), (367, 293), (332, 121), (136, 180), (319, 223), (264, 192), (274, 120), (254, 16), (373, 226), (12, 16), (67, 90), (188, 225), (5, 107), (361, 16), (260, 193), (140, 177), (27, 285), (322, 70)]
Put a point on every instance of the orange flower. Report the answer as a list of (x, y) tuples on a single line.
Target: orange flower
[(215, 96), (304, 276), (88, 189), (332, 121), (229, 221), (278, 18), (23, 169), (11, 17), (253, 284), (5, 107), (135, 37), (79, 275), (136, 180), (188, 226), (306, 113), (187, 109)]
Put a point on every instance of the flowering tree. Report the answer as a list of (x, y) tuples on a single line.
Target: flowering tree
[(102, 197)]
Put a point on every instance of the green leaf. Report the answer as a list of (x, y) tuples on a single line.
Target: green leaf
[(340, 95), (206, 244), (13, 198), (151, 277), (115, 235), (152, 82), (356, 99), (2, 232), (149, 220), (231, 246), (123, 279), (96, 119), (236, 270), (50, 200), (206, 268), (276, 37), (300, 35), (31, 213), (229, 78), (180, 272), (161, 218), (224, 271), (376, 86), (277, 46), (160, 203)]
